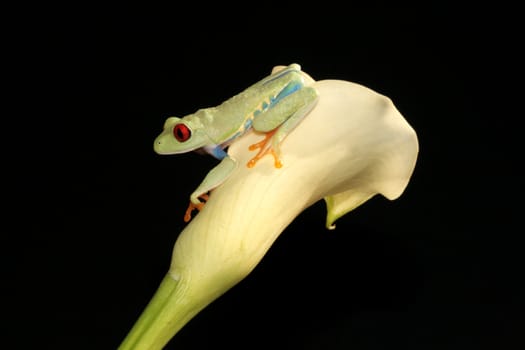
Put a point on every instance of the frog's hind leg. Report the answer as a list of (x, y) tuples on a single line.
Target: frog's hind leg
[(294, 108)]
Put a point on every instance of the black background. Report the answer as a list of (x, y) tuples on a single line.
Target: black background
[(96, 212)]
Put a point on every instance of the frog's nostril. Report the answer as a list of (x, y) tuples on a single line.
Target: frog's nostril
[(157, 146)]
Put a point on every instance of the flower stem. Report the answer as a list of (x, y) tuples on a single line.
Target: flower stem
[(167, 312)]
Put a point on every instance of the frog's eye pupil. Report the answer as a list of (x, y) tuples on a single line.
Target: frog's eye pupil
[(181, 132)]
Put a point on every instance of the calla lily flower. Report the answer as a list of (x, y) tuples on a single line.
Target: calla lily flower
[(353, 145)]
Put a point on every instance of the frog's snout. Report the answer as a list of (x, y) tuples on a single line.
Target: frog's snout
[(158, 146)]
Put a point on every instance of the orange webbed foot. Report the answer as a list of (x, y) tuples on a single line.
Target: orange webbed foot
[(191, 207), (264, 148)]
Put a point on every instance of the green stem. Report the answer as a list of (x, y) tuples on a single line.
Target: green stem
[(167, 312)]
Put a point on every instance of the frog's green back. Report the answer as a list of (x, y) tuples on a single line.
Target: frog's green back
[(234, 116)]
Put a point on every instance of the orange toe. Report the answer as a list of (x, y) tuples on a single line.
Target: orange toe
[(264, 148), (191, 207)]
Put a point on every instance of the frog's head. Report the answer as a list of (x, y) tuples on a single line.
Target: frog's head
[(181, 135)]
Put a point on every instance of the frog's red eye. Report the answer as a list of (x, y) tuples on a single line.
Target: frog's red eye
[(181, 132)]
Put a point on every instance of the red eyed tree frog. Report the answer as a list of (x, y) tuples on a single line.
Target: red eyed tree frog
[(274, 106)]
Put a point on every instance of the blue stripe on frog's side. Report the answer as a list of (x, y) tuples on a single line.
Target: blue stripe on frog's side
[(248, 123), (288, 90), (218, 151)]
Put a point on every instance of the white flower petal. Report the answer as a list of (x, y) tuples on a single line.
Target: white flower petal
[(352, 145)]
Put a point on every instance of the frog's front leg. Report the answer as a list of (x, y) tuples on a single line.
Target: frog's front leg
[(281, 119), (213, 179)]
